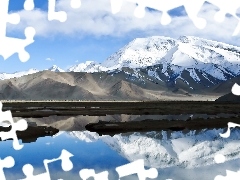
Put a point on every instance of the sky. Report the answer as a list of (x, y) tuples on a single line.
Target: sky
[(92, 32)]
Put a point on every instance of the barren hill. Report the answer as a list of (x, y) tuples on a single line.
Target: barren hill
[(48, 85)]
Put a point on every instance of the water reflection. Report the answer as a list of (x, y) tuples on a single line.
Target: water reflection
[(176, 155), (97, 155)]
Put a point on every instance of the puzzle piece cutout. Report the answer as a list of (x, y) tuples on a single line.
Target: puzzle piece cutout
[(87, 173), (29, 5), (66, 166), (137, 167), (75, 4), (192, 8), (227, 133), (219, 158), (20, 125), (230, 175), (60, 15), (236, 89), (9, 45), (7, 162), (53, 15), (227, 7)]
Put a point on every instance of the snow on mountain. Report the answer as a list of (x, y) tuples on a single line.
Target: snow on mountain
[(176, 149), (30, 71), (85, 135), (204, 60), (141, 52), (189, 53), (55, 68), (17, 74), (88, 66)]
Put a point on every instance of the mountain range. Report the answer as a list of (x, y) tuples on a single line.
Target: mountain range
[(145, 69)]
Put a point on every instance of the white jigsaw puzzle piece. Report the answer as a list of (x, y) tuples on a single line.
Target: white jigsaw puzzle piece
[(137, 167), (227, 133), (192, 8), (236, 89), (227, 7), (9, 45), (29, 5), (7, 162), (53, 15), (21, 125), (87, 173), (116, 6), (66, 166), (75, 4), (230, 175)]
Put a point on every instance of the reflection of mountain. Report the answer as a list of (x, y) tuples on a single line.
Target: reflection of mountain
[(164, 149)]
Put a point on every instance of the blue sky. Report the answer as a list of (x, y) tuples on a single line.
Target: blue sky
[(94, 33)]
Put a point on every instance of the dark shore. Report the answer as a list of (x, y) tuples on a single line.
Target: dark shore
[(32, 132), (41, 109), (96, 108), (112, 128)]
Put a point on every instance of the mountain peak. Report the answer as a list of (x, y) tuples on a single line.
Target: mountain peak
[(88, 66), (55, 68)]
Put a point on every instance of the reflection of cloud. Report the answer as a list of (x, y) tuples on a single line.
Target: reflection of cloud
[(99, 21), (49, 143)]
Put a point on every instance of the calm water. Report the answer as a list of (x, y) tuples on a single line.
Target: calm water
[(106, 153), (95, 155)]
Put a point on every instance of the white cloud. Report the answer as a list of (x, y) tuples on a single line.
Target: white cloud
[(49, 59), (95, 18)]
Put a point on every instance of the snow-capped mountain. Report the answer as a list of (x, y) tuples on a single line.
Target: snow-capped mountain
[(171, 149), (141, 52), (3, 76), (55, 68), (192, 54), (190, 61), (17, 74), (88, 66)]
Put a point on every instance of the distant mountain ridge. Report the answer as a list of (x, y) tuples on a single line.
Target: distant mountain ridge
[(154, 67), (218, 60)]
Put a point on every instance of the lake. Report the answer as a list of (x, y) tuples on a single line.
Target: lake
[(176, 155)]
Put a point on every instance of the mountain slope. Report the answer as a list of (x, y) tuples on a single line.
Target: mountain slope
[(48, 85), (213, 61)]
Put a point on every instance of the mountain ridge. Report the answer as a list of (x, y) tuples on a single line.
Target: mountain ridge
[(155, 66)]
